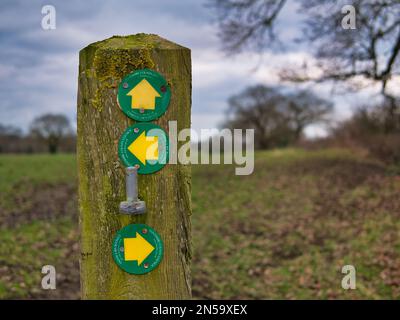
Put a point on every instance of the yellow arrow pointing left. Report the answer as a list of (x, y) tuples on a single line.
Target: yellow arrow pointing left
[(137, 249), (144, 148)]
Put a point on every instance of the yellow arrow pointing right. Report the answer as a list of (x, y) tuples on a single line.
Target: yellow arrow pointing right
[(137, 249)]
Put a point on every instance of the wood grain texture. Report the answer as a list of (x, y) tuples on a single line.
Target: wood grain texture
[(167, 193)]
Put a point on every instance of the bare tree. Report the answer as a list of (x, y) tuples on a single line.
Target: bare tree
[(51, 128), (371, 51), (278, 119), (247, 23), (304, 108)]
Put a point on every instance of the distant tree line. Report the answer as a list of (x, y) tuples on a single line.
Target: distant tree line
[(50, 133), (278, 118)]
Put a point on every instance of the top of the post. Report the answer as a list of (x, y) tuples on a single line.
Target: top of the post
[(137, 41)]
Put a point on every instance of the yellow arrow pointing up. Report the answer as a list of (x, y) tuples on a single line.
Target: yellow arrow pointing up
[(143, 96), (144, 148), (137, 249)]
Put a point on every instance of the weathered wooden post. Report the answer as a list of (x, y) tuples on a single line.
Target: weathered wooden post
[(167, 193)]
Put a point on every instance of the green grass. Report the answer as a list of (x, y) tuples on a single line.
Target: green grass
[(19, 172), (286, 230), (26, 249), (283, 232), (26, 246), (36, 169)]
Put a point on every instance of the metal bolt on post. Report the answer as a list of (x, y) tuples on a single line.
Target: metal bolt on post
[(132, 205)]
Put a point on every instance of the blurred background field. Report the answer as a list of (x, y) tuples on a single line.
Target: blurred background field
[(283, 232), (317, 81)]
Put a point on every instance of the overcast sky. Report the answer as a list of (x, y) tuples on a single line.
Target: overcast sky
[(38, 68)]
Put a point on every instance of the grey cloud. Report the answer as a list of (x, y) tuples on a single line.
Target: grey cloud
[(38, 69)]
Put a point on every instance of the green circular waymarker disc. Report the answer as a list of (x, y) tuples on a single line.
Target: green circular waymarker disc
[(144, 145), (144, 95), (137, 249)]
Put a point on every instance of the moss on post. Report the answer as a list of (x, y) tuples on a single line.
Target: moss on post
[(167, 193)]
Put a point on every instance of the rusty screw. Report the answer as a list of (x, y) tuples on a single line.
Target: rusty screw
[(163, 88), (136, 130), (125, 85)]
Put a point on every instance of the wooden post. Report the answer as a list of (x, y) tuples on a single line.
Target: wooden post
[(167, 193)]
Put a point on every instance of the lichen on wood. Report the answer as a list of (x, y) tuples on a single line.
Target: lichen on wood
[(101, 175)]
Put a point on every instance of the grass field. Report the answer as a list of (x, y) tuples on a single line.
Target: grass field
[(283, 232)]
